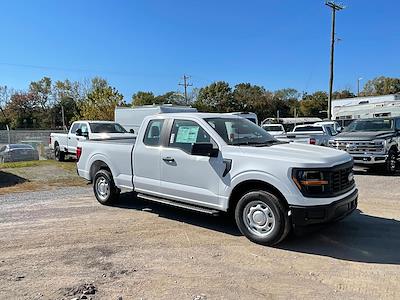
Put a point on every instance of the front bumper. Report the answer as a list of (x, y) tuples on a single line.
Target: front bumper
[(369, 159), (320, 214)]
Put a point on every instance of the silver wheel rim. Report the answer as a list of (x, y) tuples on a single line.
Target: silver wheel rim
[(259, 218), (102, 188), (392, 163)]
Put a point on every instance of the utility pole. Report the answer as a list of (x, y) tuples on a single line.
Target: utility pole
[(185, 85), (334, 8), (358, 86)]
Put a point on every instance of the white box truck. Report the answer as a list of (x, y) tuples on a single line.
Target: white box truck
[(132, 117)]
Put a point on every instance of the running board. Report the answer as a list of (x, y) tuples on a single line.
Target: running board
[(204, 210)]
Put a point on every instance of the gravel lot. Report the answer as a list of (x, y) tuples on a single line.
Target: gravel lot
[(54, 242)]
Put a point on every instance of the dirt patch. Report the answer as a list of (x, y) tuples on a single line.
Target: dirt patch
[(38, 175), (54, 244)]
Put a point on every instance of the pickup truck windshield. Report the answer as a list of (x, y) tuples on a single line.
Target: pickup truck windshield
[(106, 128), (371, 125), (240, 131)]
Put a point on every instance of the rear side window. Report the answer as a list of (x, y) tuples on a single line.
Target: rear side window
[(153, 133)]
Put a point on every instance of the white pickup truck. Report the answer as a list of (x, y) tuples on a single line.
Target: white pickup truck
[(65, 143), (222, 163), (312, 134)]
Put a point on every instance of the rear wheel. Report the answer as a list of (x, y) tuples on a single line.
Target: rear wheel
[(59, 155), (104, 188), (262, 218)]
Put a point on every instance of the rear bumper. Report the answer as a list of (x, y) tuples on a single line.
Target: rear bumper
[(320, 214)]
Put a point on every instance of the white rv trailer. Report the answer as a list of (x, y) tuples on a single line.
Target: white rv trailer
[(346, 110)]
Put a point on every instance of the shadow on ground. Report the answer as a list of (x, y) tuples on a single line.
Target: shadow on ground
[(8, 179), (359, 237), (222, 223)]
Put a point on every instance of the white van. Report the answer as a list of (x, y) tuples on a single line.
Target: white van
[(132, 117)]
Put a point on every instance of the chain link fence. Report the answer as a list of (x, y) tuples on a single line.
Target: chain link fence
[(38, 139)]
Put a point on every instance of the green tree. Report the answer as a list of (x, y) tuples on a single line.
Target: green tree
[(22, 111), (217, 97), (170, 98), (314, 105), (381, 86), (143, 98), (342, 94), (100, 102), (247, 97)]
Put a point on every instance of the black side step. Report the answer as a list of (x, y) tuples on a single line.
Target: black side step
[(204, 210)]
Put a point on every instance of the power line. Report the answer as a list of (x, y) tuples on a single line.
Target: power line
[(335, 7), (185, 85)]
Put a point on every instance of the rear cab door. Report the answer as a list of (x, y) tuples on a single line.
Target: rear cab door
[(147, 156)]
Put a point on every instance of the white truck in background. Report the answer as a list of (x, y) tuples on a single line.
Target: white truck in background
[(309, 134), (274, 129), (215, 163), (64, 144)]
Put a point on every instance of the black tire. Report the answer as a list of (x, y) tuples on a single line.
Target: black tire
[(391, 162), (58, 154), (276, 215), (104, 187)]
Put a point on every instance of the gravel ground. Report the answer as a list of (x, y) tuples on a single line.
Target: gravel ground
[(60, 244)]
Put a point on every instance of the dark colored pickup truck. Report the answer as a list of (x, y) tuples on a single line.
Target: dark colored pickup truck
[(371, 142)]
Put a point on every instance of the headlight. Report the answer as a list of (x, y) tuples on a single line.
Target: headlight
[(311, 181)]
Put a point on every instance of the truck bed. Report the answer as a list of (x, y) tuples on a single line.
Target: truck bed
[(116, 152)]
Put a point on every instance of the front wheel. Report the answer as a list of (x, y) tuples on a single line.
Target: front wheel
[(104, 188), (391, 162), (262, 218)]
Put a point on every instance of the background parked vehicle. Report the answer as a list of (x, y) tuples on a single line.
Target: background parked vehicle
[(309, 134), (132, 118), (274, 129), (65, 143), (371, 142), (247, 115), (18, 152), (334, 124)]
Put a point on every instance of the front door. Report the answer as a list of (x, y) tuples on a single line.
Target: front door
[(190, 178)]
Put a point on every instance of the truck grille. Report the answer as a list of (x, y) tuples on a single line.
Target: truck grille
[(340, 182), (358, 147)]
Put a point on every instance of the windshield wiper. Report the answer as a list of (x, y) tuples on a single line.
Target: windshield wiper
[(256, 144)]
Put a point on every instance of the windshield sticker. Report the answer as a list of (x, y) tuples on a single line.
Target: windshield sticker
[(187, 134)]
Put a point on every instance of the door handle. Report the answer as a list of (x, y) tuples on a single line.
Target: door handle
[(168, 159)]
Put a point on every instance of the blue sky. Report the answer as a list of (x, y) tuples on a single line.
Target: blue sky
[(148, 45)]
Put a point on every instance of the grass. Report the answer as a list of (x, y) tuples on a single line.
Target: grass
[(41, 175), (69, 166)]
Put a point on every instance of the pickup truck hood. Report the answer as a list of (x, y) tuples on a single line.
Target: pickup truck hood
[(363, 135), (299, 154)]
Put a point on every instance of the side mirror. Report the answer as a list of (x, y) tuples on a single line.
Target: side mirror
[(204, 149), (131, 131), (78, 132), (339, 129)]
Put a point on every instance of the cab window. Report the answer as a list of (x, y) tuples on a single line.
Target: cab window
[(185, 133), (75, 127), (153, 133)]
